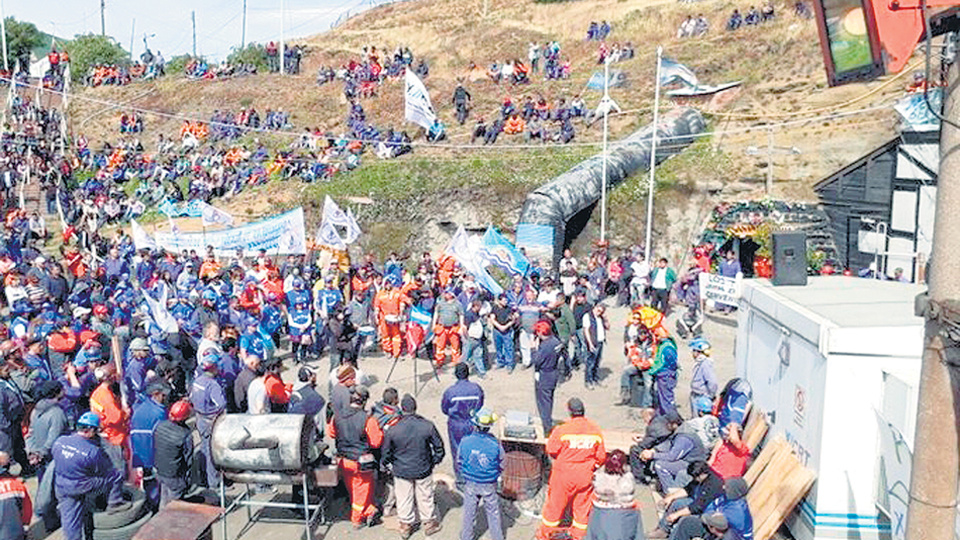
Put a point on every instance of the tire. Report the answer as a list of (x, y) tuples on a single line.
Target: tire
[(122, 533), (105, 521)]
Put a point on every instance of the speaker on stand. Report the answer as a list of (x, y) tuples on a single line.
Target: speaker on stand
[(789, 258)]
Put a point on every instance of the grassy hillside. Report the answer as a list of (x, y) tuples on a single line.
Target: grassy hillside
[(784, 94)]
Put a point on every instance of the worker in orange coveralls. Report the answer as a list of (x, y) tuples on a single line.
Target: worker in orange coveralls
[(357, 434), (447, 327), (577, 450), (389, 304)]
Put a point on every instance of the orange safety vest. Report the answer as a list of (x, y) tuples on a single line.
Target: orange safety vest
[(576, 445), (113, 419)]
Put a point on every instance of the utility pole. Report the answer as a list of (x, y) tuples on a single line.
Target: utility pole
[(282, 51), (243, 27), (3, 37), (103, 21), (653, 156), (133, 27), (932, 510), (193, 21), (606, 115)]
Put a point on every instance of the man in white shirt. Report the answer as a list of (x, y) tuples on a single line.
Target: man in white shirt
[(640, 280)]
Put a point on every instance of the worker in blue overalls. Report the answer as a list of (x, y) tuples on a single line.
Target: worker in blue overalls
[(546, 358), (459, 403), (84, 471)]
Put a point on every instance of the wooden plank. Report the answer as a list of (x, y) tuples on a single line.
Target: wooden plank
[(793, 489), (763, 459), (756, 430)]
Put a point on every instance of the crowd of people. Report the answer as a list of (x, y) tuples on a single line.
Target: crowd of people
[(109, 355), (198, 68)]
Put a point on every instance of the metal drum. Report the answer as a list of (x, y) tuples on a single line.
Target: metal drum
[(262, 442), (522, 476)]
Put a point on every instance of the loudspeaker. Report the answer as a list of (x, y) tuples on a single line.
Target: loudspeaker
[(789, 258)]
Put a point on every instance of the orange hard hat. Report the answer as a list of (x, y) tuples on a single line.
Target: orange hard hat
[(180, 411)]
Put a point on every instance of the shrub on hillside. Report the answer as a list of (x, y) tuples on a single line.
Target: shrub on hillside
[(22, 37), (178, 63), (253, 54), (91, 49)]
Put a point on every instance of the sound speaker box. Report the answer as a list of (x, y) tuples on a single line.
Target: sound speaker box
[(789, 258)]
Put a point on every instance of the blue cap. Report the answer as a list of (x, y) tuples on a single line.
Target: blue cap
[(89, 419), (81, 361), (703, 404)]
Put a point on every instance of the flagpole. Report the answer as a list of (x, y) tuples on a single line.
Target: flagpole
[(653, 154), (606, 115)]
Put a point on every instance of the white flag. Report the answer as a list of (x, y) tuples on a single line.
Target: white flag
[(158, 309), (417, 107), (333, 214), (328, 236), (141, 240), (211, 215), (353, 228)]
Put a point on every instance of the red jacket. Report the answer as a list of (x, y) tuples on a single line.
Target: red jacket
[(113, 419)]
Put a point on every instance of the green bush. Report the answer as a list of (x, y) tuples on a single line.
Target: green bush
[(253, 53), (87, 50)]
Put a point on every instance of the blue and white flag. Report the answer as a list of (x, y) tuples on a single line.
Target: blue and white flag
[(328, 236), (353, 229), (417, 107), (211, 215), (158, 308), (672, 71), (333, 214), (500, 252), (141, 240), (468, 258)]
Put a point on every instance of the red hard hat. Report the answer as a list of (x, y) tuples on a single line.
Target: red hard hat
[(180, 411), (542, 328), (100, 310)]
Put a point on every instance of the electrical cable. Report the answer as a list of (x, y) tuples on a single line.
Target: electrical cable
[(926, 82)]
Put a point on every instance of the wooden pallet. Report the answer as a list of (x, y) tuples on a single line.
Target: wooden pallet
[(778, 481)]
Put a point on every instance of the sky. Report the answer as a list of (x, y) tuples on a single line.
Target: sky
[(166, 23)]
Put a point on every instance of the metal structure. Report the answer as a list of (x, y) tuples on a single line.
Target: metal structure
[(558, 201), (271, 449)]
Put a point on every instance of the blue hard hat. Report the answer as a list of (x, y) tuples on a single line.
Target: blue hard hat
[(89, 419), (209, 295), (702, 404), (700, 345)]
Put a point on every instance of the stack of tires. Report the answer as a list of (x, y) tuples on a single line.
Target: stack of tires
[(122, 525)]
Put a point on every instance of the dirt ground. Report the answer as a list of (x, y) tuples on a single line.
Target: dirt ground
[(503, 391)]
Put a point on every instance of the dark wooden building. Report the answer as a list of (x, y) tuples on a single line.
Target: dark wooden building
[(881, 206)]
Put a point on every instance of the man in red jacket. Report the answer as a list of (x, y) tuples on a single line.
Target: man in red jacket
[(577, 450), (16, 509)]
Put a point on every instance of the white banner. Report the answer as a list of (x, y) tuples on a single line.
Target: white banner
[(328, 236), (353, 229), (283, 234), (719, 289), (417, 107)]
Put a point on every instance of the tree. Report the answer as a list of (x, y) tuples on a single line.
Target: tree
[(90, 49), (253, 54), (22, 38)]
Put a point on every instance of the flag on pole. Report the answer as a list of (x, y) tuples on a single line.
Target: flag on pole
[(158, 308), (353, 228), (328, 236), (333, 214), (417, 107), (141, 240), (211, 215), (500, 252), (672, 71), (467, 257)]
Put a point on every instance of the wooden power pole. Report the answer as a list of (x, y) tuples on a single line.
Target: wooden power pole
[(932, 510), (103, 21), (193, 21)]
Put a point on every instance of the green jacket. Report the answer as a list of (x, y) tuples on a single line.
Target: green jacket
[(671, 276), (565, 324), (665, 357)]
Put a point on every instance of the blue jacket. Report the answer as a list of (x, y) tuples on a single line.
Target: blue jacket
[(737, 513), (207, 397), (480, 458), (145, 417), (461, 400), (81, 466)]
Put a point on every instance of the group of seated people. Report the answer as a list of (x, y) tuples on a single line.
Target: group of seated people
[(103, 74), (615, 53), (693, 27), (598, 31), (131, 122), (512, 71), (200, 69), (752, 18)]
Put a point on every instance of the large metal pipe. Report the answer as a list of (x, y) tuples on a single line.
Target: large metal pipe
[(268, 442), (549, 207)]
